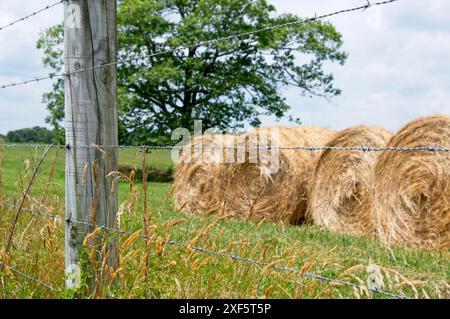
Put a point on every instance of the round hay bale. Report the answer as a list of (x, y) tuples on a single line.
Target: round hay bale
[(343, 182), (271, 184), (412, 188), (196, 171)]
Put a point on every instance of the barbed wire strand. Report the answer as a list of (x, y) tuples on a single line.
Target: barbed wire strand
[(31, 15), (33, 211), (30, 145), (227, 255), (428, 148), (202, 43), (305, 148), (29, 277)]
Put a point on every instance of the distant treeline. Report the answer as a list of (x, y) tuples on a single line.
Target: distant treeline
[(43, 135), (31, 135)]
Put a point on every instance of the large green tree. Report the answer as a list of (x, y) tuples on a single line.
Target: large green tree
[(226, 84)]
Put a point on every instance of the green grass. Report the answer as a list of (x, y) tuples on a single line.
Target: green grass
[(161, 270), (156, 158), (15, 160)]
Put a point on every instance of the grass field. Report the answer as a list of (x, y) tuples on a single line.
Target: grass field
[(156, 269)]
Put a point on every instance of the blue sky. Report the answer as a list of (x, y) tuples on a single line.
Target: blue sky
[(398, 67)]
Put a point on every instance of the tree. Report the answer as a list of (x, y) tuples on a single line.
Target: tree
[(226, 84), (31, 135), (51, 42)]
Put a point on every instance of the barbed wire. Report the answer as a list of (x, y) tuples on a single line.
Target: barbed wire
[(428, 148), (291, 270), (37, 79), (305, 148), (203, 43), (30, 145), (32, 211), (227, 255), (29, 277), (31, 15)]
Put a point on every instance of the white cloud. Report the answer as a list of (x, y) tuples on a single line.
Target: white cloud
[(20, 60), (397, 68)]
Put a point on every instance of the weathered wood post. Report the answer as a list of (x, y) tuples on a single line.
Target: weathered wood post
[(91, 118)]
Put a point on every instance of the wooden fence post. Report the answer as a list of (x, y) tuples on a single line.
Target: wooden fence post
[(91, 118)]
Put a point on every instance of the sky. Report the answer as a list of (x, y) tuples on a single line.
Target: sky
[(398, 67)]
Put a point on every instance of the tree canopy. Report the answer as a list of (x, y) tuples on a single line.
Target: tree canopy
[(31, 135), (226, 84)]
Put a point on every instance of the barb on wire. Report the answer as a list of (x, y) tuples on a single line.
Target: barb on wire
[(31, 15), (29, 277), (202, 43)]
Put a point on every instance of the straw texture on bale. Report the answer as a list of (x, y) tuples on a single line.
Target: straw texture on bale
[(340, 196), (274, 186), (412, 188), (195, 174)]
